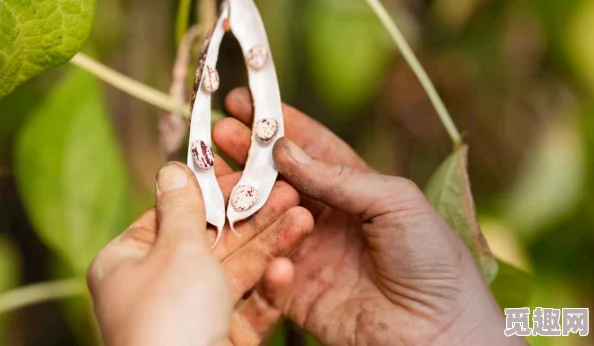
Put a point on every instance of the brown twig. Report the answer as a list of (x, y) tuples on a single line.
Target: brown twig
[(173, 126)]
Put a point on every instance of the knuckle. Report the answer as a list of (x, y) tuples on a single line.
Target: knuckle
[(95, 271), (341, 172), (91, 276), (237, 284), (291, 196), (140, 235), (404, 186)]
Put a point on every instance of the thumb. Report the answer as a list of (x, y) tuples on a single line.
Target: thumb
[(364, 194), (406, 235), (180, 207)]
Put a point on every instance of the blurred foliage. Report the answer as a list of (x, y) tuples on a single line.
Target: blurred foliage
[(347, 75), (79, 202), (518, 78), (37, 35)]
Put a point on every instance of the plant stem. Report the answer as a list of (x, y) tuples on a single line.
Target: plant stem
[(129, 85), (417, 68), (207, 14), (40, 292), (183, 19)]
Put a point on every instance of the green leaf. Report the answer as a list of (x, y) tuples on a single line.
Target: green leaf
[(70, 171), (449, 192), (349, 51), (551, 181), (36, 35), (513, 287)]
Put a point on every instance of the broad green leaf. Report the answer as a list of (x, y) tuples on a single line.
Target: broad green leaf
[(577, 41), (70, 171), (513, 287), (550, 291), (449, 192), (36, 35), (349, 51), (551, 181)]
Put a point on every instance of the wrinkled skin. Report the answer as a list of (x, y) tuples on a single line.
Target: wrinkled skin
[(159, 283), (381, 267)]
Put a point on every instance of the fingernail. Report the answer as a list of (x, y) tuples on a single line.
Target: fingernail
[(171, 177), (297, 153)]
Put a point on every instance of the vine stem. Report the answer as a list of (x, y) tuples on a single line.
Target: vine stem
[(183, 18), (140, 91), (40, 292), (417, 68)]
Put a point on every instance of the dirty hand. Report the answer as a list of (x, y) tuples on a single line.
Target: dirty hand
[(159, 283), (381, 267)]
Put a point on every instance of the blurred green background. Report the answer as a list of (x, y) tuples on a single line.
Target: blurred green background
[(78, 157)]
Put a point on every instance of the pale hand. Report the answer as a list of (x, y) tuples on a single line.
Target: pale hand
[(159, 283)]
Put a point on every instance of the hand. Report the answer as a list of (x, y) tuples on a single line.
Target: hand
[(381, 267), (159, 283)]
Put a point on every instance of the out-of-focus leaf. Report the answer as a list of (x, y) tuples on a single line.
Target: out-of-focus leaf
[(70, 171), (449, 192), (348, 50), (36, 35), (77, 310), (513, 287), (455, 15), (577, 41), (557, 292), (9, 276), (551, 182), (278, 18), (505, 244)]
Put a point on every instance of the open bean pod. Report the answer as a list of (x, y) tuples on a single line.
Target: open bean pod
[(200, 155), (259, 174), (253, 189)]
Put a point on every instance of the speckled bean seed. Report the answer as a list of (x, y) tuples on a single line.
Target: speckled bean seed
[(244, 197), (257, 57), (266, 129), (203, 155), (211, 80)]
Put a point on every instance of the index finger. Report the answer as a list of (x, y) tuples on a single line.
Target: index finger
[(316, 139)]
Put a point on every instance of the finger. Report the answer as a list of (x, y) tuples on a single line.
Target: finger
[(282, 198), (246, 265), (233, 138), (148, 219), (342, 187), (316, 139), (180, 208), (132, 245), (254, 319), (221, 167)]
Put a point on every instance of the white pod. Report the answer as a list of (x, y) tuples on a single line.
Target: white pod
[(259, 172), (200, 127)]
